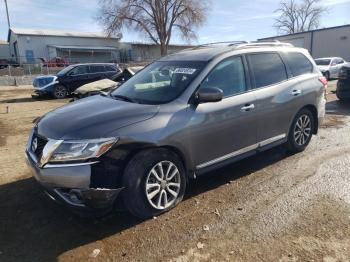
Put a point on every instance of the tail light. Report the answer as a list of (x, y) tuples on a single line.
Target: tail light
[(323, 80)]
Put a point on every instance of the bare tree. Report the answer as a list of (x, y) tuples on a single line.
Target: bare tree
[(157, 19), (299, 17)]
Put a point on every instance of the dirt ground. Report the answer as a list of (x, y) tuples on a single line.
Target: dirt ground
[(270, 207)]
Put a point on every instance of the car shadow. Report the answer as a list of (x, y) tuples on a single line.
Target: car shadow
[(337, 107), (35, 228)]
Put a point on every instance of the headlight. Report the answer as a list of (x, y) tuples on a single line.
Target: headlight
[(82, 149)]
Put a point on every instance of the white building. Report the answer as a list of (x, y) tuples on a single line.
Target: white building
[(29, 45), (326, 42)]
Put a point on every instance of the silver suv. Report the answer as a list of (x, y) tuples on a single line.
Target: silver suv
[(178, 118)]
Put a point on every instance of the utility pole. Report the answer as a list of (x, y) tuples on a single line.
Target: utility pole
[(8, 17), (9, 25)]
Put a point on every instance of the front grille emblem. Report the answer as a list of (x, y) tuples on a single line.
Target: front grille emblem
[(34, 144)]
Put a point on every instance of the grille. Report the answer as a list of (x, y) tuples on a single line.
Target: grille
[(41, 142)]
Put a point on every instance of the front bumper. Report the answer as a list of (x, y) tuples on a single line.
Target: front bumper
[(70, 185)]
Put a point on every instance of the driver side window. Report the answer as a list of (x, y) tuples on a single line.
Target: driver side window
[(79, 70), (229, 76)]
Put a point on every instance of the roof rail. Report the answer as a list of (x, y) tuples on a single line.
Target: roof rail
[(265, 43), (227, 43)]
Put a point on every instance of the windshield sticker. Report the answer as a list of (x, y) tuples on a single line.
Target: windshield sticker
[(186, 71)]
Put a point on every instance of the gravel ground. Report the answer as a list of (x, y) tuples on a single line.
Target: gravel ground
[(270, 207)]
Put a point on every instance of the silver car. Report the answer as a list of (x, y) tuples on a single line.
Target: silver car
[(330, 66), (177, 119)]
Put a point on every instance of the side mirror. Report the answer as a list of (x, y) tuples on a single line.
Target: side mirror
[(334, 64), (208, 95)]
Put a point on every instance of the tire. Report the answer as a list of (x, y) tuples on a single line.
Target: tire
[(301, 131), (60, 92), (140, 171)]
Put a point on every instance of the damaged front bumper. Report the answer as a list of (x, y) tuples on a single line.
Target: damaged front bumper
[(70, 185)]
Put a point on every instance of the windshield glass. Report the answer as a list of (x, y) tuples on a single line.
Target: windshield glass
[(65, 70), (323, 62), (159, 83)]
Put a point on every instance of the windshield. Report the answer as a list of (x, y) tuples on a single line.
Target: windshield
[(65, 70), (323, 62), (159, 83)]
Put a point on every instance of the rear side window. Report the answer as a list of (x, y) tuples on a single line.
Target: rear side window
[(97, 68), (298, 64), (267, 69)]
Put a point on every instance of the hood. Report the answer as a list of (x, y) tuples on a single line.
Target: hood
[(96, 86), (46, 76), (92, 117), (323, 68)]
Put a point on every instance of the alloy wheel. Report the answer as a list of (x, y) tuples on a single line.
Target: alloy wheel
[(60, 92), (163, 185), (302, 130)]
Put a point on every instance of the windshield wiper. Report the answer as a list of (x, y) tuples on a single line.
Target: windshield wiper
[(124, 98)]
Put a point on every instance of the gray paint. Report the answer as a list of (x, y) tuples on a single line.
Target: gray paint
[(327, 42), (204, 135)]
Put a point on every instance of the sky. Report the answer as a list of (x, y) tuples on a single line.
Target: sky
[(227, 20)]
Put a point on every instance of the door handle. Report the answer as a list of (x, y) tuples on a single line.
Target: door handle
[(247, 107), (296, 92)]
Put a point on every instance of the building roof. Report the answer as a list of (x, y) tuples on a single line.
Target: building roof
[(299, 33), (54, 32), (84, 48)]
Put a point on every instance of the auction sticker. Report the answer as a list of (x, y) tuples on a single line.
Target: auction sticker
[(186, 71)]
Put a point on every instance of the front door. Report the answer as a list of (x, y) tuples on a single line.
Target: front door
[(222, 130)]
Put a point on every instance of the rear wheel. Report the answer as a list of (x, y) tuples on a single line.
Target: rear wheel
[(60, 92), (301, 131), (154, 182)]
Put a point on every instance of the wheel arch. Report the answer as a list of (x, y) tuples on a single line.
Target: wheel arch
[(313, 110)]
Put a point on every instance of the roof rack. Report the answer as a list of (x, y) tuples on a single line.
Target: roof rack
[(227, 43), (275, 43), (242, 44)]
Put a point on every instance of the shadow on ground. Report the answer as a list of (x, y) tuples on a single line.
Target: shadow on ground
[(34, 228)]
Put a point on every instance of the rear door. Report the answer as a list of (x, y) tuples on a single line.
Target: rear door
[(97, 72), (278, 99)]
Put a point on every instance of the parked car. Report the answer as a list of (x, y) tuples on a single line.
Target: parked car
[(343, 85), (54, 62), (330, 66), (179, 118), (72, 77), (105, 85)]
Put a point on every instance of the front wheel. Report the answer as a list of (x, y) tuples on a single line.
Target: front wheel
[(154, 182), (60, 92), (301, 131)]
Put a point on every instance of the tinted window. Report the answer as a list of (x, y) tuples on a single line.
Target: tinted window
[(79, 70), (228, 75), (110, 68), (323, 62), (267, 69), (298, 64), (97, 68)]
